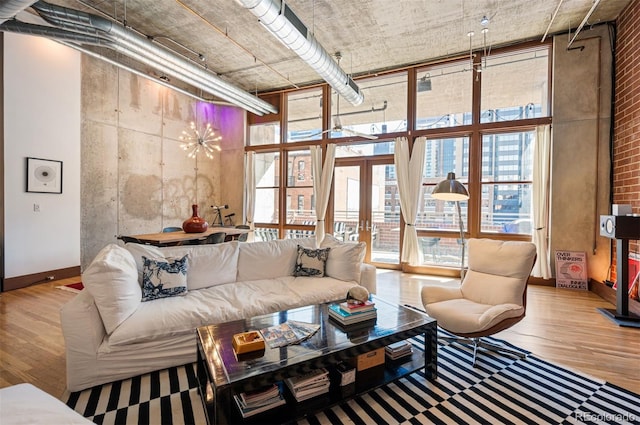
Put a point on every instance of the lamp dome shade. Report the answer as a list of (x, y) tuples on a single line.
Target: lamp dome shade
[(450, 190)]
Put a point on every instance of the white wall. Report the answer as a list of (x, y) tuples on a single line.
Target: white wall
[(42, 120)]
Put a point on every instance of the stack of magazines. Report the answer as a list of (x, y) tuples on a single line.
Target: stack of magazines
[(252, 402), (287, 333), (398, 350), (348, 313), (310, 385)]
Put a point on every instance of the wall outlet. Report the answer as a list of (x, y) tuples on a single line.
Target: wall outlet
[(36, 207)]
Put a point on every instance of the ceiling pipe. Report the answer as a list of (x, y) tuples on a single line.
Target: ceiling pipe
[(10, 8), (51, 32), (160, 60), (584, 21), (283, 23), (553, 18), (142, 49), (141, 74), (69, 39)]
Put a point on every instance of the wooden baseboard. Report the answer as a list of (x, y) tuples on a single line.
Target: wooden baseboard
[(41, 277), (541, 282)]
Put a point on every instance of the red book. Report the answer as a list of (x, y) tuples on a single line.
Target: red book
[(356, 306)]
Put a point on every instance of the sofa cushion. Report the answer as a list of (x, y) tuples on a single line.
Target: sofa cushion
[(112, 281), (209, 265), (311, 262), (169, 317), (164, 277), (345, 258), (138, 251), (218, 304), (264, 260)]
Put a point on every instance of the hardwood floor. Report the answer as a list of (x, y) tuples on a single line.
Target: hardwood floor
[(562, 326)]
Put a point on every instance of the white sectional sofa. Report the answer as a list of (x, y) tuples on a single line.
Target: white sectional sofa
[(111, 334)]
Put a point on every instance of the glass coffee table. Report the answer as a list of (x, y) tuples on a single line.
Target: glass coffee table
[(221, 373)]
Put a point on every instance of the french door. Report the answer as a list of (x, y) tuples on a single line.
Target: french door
[(365, 208)]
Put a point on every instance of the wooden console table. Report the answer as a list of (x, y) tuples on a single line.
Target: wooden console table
[(168, 238)]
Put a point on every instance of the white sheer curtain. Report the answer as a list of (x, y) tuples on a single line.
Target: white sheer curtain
[(541, 167), (322, 177), (409, 176), (249, 190)]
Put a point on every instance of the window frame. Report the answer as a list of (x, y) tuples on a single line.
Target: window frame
[(473, 130)]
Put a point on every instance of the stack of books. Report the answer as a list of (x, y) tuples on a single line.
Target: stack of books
[(347, 313), (398, 350), (257, 401), (310, 385)]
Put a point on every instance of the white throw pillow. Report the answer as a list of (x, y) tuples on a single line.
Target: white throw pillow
[(138, 251), (209, 265), (112, 281), (164, 277), (345, 258), (266, 260)]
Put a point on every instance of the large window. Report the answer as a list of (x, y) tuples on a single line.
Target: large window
[(443, 96), (478, 116), (300, 188), (264, 134), (515, 85), (507, 176), (364, 149), (384, 109), (442, 156), (304, 115), (267, 176)]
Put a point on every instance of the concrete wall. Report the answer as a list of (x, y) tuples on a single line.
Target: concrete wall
[(581, 139), (42, 120), (135, 176), (123, 169)]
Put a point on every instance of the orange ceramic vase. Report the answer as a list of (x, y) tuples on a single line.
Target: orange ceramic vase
[(195, 223)]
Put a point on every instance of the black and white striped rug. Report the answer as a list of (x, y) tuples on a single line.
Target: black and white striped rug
[(500, 390)]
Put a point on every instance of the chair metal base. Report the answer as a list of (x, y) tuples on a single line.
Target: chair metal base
[(479, 342)]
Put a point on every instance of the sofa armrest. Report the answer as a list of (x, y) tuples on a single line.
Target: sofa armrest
[(436, 293), (368, 277), (83, 333)]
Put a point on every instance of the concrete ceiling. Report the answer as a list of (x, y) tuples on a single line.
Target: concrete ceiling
[(372, 35)]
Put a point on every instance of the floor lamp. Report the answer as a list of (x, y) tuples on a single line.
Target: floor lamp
[(452, 190)]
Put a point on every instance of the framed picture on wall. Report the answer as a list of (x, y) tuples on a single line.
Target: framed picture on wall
[(44, 175)]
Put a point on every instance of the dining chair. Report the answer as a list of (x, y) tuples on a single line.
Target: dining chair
[(171, 229), (214, 238), (129, 239), (243, 237)]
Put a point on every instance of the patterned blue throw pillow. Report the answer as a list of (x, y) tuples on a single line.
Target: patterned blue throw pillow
[(311, 262), (166, 277)]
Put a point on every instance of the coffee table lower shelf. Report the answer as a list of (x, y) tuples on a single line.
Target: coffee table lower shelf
[(293, 410)]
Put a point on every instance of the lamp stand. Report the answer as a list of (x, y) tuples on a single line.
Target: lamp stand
[(461, 240)]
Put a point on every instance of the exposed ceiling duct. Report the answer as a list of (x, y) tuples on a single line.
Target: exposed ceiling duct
[(77, 27), (10, 8), (51, 32), (283, 23), (71, 40)]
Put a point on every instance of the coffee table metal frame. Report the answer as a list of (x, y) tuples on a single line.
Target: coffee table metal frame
[(221, 373)]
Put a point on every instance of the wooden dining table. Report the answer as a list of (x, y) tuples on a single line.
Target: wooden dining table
[(170, 238)]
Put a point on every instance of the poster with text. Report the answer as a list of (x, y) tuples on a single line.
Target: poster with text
[(571, 270)]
